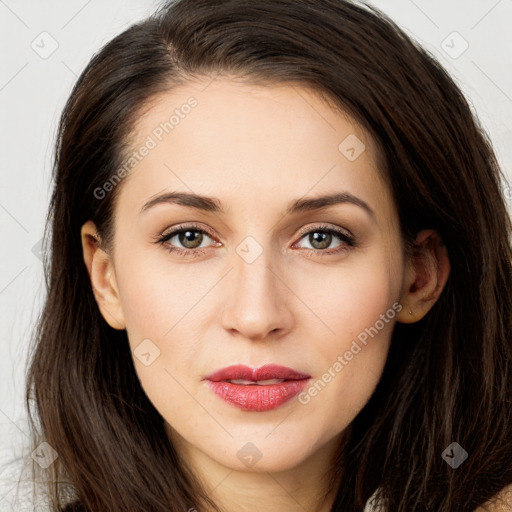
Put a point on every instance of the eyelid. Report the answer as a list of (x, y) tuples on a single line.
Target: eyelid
[(325, 227)]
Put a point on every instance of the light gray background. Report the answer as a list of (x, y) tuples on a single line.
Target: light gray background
[(35, 85)]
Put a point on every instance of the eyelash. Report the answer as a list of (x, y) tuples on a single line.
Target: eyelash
[(344, 237)]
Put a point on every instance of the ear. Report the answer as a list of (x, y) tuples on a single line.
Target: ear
[(427, 271), (102, 275)]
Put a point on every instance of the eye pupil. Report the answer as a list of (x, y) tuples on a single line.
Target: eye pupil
[(321, 238), (186, 237)]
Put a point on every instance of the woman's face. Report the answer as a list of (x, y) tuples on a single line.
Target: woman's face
[(256, 278)]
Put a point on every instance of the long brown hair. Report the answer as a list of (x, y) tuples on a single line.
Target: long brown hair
[(448, 377)]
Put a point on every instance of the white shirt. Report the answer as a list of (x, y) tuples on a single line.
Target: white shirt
[(372, 504)]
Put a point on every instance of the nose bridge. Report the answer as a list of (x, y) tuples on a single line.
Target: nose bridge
[(256, 304), (253, 265)]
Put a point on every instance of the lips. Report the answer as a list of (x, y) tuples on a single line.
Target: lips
[(259, 389), (267, 372)]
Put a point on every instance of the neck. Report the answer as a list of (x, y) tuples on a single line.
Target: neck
[(305, 487)]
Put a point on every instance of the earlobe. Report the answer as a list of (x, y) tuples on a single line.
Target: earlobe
[(102, 276), (426, 274)]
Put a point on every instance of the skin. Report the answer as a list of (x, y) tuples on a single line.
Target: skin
[(256, 149), (502, 502)]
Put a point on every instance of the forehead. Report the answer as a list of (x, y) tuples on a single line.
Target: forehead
[(252, 144)]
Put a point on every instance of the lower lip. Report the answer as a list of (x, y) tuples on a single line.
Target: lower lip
[(258, 398)]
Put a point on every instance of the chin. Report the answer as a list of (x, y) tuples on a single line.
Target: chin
[(264, 455)]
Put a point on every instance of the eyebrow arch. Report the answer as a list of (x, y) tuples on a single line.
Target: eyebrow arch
[(212, 204), (317, 203)]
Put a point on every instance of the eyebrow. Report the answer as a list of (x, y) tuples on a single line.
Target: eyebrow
[(214, 205)]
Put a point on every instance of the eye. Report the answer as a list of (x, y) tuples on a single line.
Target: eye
[(190, 237), (321, 237)]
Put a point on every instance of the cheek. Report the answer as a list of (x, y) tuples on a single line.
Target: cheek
[(157, 296), (165, 306), (161, 322), (348, 299), (361, 318), (359, 309)]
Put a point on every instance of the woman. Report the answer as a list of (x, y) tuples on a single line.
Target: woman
[(280, 275)]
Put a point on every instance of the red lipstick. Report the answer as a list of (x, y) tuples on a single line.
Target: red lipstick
[(257, 389)]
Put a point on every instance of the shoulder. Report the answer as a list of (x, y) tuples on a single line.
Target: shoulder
[(502, 502)]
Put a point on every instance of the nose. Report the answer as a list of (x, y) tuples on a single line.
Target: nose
[(258, 299)]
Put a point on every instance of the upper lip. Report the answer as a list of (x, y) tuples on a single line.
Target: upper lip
[(266, 372)]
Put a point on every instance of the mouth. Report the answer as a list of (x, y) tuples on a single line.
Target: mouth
[(244, 382), (257, 389)]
